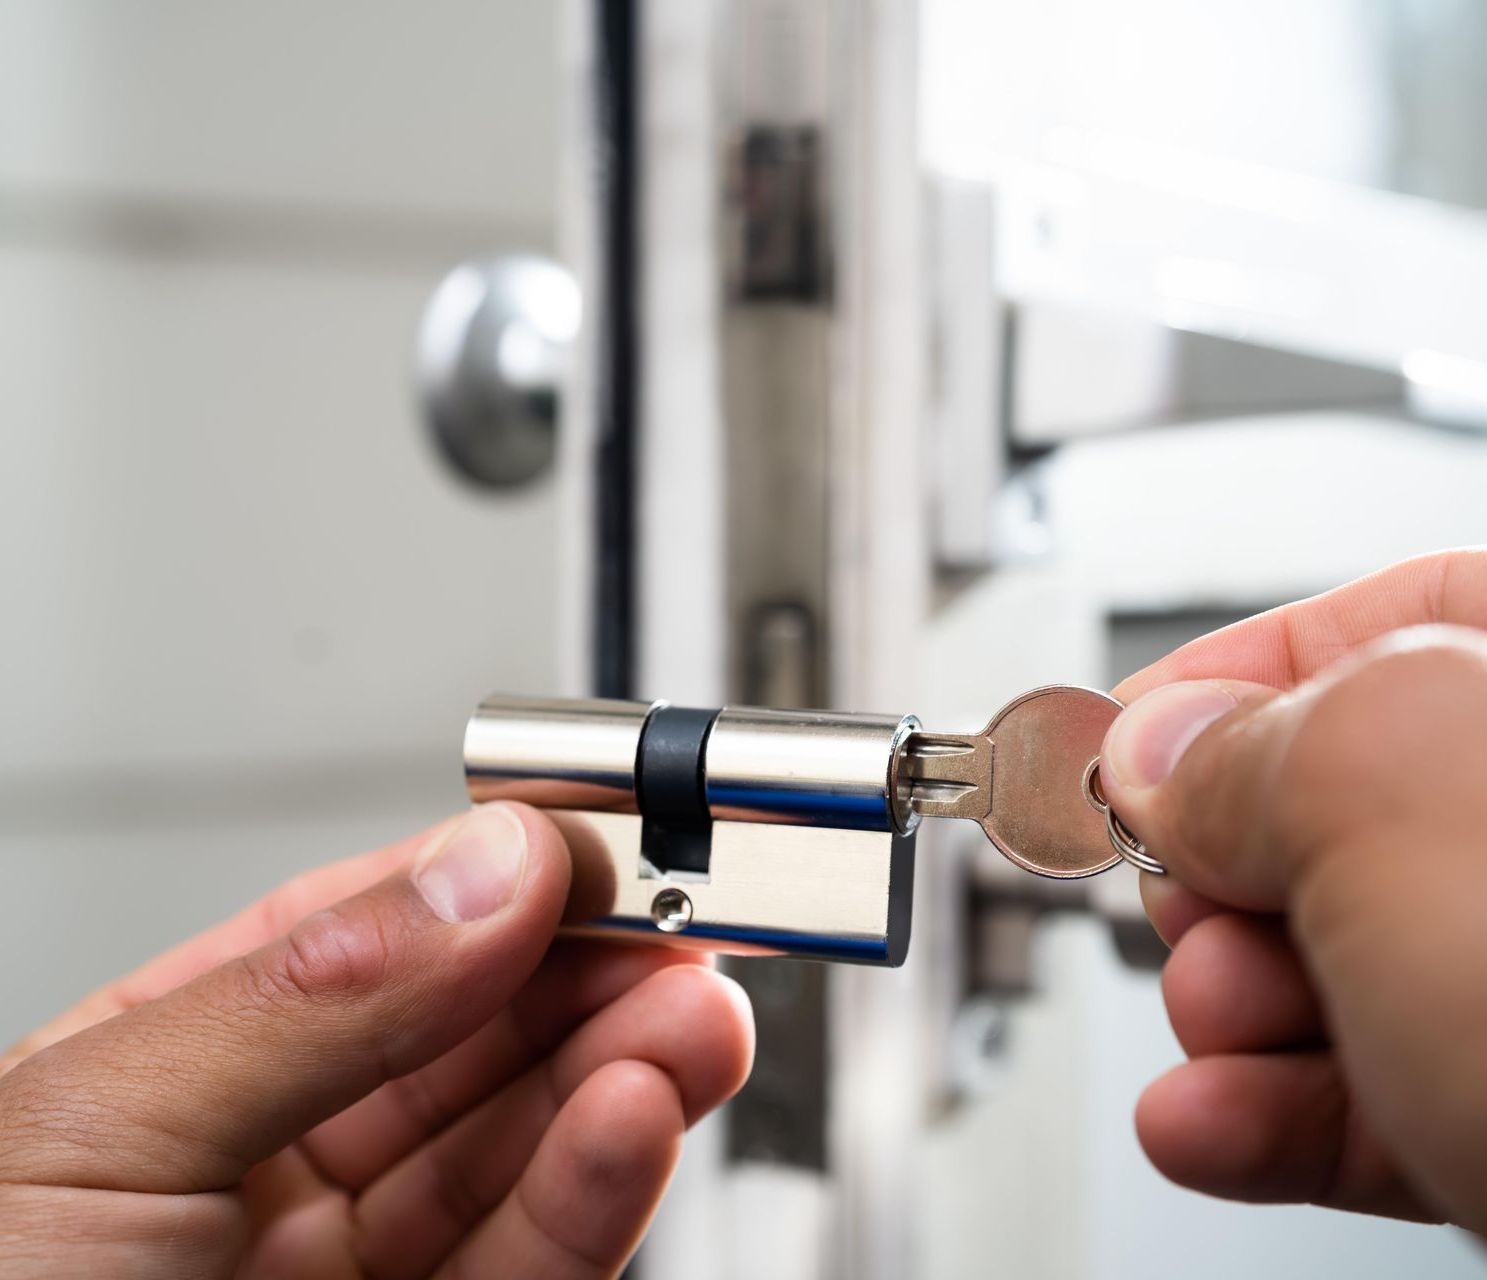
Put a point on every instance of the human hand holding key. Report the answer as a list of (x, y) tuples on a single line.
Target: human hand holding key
[(1315, 781)]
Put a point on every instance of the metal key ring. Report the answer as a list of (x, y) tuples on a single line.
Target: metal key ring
[(1130, 848), (1125, 844)]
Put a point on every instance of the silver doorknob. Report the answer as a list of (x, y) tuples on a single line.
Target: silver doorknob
[(493, 349)]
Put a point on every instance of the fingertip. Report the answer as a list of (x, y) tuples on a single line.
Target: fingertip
[(718, 1052), (1259, 1127), (1174, 1124), (1192, 978), (631, 1110), (1182, 770), (1189, 981), (542, 833), (1172, 907), (1234, 984), (743, 1032), (1145, 742)]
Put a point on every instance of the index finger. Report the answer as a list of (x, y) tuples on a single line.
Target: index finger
[(1290, 644)]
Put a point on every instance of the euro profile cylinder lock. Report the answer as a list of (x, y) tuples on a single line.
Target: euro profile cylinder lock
[(745, 830)]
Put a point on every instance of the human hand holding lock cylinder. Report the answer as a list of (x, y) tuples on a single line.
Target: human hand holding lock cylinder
[(388, 1068)]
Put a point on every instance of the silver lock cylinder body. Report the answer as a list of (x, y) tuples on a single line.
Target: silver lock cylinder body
[(820, 768), (745, 830), (555, 753)]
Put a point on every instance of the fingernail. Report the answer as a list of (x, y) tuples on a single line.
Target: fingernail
[(1148, 738), (476, 868)]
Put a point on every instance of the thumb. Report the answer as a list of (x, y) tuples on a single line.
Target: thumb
[(1353, 803), (1189, 768), (1241, 790), (184, 1093)]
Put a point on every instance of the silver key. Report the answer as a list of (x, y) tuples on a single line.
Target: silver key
[(1031, 779)]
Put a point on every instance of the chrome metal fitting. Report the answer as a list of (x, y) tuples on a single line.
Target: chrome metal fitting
[(745, 830)]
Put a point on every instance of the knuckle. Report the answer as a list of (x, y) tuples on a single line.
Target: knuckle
[(348, 949)]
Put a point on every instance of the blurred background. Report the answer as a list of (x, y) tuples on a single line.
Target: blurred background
[(246, 604), (930, 350)]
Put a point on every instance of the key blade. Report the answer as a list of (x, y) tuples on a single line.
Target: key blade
[(948, 775)]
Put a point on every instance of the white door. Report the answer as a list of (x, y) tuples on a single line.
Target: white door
[(246, 608)]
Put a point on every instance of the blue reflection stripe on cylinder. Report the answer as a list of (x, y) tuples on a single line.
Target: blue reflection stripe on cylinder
[(821, 809), (861, 950)]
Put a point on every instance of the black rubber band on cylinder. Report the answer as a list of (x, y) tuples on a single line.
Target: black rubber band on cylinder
[(671, 787), (669, 781)]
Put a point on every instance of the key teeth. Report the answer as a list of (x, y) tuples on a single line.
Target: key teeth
[(941, 792), (922, 749), (945, 776)]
